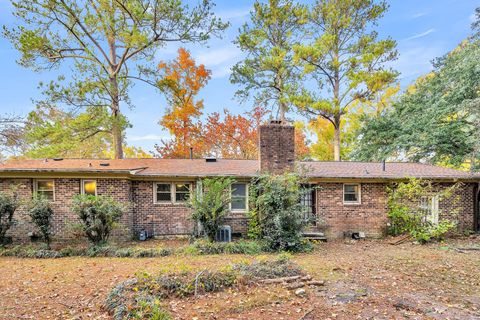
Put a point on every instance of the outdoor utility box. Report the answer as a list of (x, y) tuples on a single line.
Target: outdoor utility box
[(143, 235), (224, 234)]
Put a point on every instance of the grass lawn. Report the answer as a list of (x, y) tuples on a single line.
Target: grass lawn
[(363, 280)]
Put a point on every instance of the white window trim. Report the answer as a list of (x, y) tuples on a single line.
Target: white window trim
[(35, 186), (359, 201), (246, 199), (82, 186), (172, 192)]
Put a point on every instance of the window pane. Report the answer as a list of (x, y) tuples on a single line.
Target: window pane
[(350, 189), (182, 187), (239, 203), (90, 187), (46, 194), (351, 197), (163, 187), (45, 185), (182, 196), (239, 189), (164, 197)]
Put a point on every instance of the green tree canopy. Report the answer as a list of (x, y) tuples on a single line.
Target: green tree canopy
[(344, 59), (437, 120), (108, 43), (267, 40)]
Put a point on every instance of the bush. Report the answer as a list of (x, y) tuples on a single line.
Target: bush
[(142, 296), (407, 217), (276, 213), (236, 247), (211, 205), (99, 215), (8, 205), (41, 214)]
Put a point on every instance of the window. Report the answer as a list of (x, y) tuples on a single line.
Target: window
[(163, 192), (45, 188), (89, 187), (307, 201), (182, 192), (351, 193), (172, 192), (239, 197), (429, 208)]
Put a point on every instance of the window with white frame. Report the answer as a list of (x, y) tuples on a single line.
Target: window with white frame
[(239, 196), (351, 193), (429, 208), (89, 187), (172, 192), (45, 188), (182, 192)]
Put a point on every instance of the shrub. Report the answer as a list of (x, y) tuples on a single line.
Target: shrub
[(99, 215), (211, 205), (8, 205), (201, 247), (407, 217), (142, 296), (41, 214), (276, 213)]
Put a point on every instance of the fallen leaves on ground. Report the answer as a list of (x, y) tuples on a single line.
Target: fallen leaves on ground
[(363, 280)]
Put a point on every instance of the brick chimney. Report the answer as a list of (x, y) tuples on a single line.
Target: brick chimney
[(277, 147)]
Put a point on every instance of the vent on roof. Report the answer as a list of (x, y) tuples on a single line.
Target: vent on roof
[(276, 122), (104, 164), (57, 159), (211, 160)]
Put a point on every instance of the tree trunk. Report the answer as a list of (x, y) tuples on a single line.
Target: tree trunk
[(336, 140), (117, 130), (117, 134), (282, 111)]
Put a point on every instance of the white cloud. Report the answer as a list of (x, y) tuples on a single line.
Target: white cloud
[(415, 61), (227, 15), (216, 57), (219, 60), (147, 137), (472, 17), (418, 15), (420, 35)]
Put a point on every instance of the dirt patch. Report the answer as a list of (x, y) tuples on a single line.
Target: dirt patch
[(363, 280)]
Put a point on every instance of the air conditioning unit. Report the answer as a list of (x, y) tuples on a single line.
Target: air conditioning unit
[(224, 234)]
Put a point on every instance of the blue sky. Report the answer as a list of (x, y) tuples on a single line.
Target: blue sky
[(424, 29)]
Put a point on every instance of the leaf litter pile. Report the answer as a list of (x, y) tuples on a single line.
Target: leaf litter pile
[(143, 296), (356, 280)]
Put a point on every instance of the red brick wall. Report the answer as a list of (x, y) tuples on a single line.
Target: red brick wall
[(277, 147), (65, 190), (370, 216), (158, 218), (334, 217), (161, 219)]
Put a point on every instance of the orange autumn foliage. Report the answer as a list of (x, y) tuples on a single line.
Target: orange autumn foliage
[(220, 135), (234, 136), (181, 81)]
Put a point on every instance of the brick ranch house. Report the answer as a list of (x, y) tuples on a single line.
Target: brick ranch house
[(348, 196)]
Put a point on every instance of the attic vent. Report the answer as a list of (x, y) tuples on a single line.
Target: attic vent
[(104, 164), (57, 159), (210, 160)]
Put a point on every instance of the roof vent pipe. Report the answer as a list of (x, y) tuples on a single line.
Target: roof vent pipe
[(191, 153), (383, 165)]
